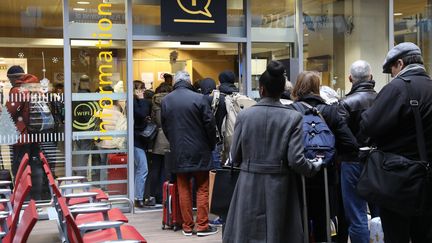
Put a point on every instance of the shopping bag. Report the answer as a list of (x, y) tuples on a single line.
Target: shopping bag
[(225, 180)]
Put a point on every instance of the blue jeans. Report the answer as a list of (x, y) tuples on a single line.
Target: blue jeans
[(141, 171), (216, 156), (355, 207)]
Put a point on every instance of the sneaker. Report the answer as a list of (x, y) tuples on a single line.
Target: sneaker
[(150, 202), (217, 222), (209, 231), (187, 233)]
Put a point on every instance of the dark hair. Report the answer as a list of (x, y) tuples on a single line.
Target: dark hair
[(138, 83), (15, 69), (163, 88), (412, 59), (273, 79), (168, 78), (307, 83)]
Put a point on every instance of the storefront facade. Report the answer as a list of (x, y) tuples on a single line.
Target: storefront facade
[(94, 49)]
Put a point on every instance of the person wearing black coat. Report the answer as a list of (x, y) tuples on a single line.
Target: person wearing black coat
[(226, 87), (390, 124), (307, 90), (227, 80), (142, 111), (207, 86), (361, 97), (190, 128)]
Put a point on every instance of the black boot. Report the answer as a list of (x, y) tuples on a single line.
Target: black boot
[(139, 203)]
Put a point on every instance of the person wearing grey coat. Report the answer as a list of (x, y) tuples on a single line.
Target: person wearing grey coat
[(268, 148)]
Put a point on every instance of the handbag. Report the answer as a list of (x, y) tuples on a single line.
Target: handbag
[(395, 182), (149, 132), (225, 180)]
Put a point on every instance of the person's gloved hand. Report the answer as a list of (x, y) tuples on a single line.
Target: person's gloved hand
[(317, 163)]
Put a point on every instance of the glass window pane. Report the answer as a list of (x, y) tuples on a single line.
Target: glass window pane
[(31, 18), (273, 13), (262, 54), (337, 33), (32, 100), (273, 21), (94, 11), (412, 23), (99, 114)]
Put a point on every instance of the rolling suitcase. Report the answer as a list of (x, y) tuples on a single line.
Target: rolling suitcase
[(327, 208), (117, 174), (171, 208)]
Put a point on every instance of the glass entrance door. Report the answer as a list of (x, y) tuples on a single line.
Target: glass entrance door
[(99, 116), (96, 84)]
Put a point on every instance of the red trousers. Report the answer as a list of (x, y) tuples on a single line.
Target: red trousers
[(185, 197)]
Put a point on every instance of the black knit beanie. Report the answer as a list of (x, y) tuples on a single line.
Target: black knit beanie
[(227, 77), (15, 72)]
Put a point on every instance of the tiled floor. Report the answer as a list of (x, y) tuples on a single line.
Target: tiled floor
[(148, 223)]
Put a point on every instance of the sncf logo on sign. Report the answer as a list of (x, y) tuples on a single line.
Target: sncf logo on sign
[(194, 16)]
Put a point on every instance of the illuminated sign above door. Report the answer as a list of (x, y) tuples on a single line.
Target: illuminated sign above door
[(194, 16)]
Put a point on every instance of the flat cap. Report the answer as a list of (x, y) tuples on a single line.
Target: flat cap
[(402, 50)]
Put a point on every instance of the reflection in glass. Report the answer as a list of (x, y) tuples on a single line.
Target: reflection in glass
[(262, 54), (337, 33), (412, 22), (91, 11), (273, 13), (37, 18), (32, 100)]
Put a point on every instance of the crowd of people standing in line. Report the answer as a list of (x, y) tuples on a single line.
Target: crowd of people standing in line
[(361, 119), (268, 148)]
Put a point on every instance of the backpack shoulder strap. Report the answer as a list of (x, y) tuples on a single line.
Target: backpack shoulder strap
[(299, 107), (318, 109), (215, 101)]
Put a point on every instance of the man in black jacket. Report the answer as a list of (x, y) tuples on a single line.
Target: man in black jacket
[(360, 98), (189, 125), (390, 124)]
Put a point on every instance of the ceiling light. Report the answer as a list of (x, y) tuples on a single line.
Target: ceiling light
[(78, 9), (398, 14), (83, 3)]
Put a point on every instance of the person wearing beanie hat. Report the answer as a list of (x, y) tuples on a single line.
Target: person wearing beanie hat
[(14, 73), (390, 124), (18, 106), (227, 80)]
